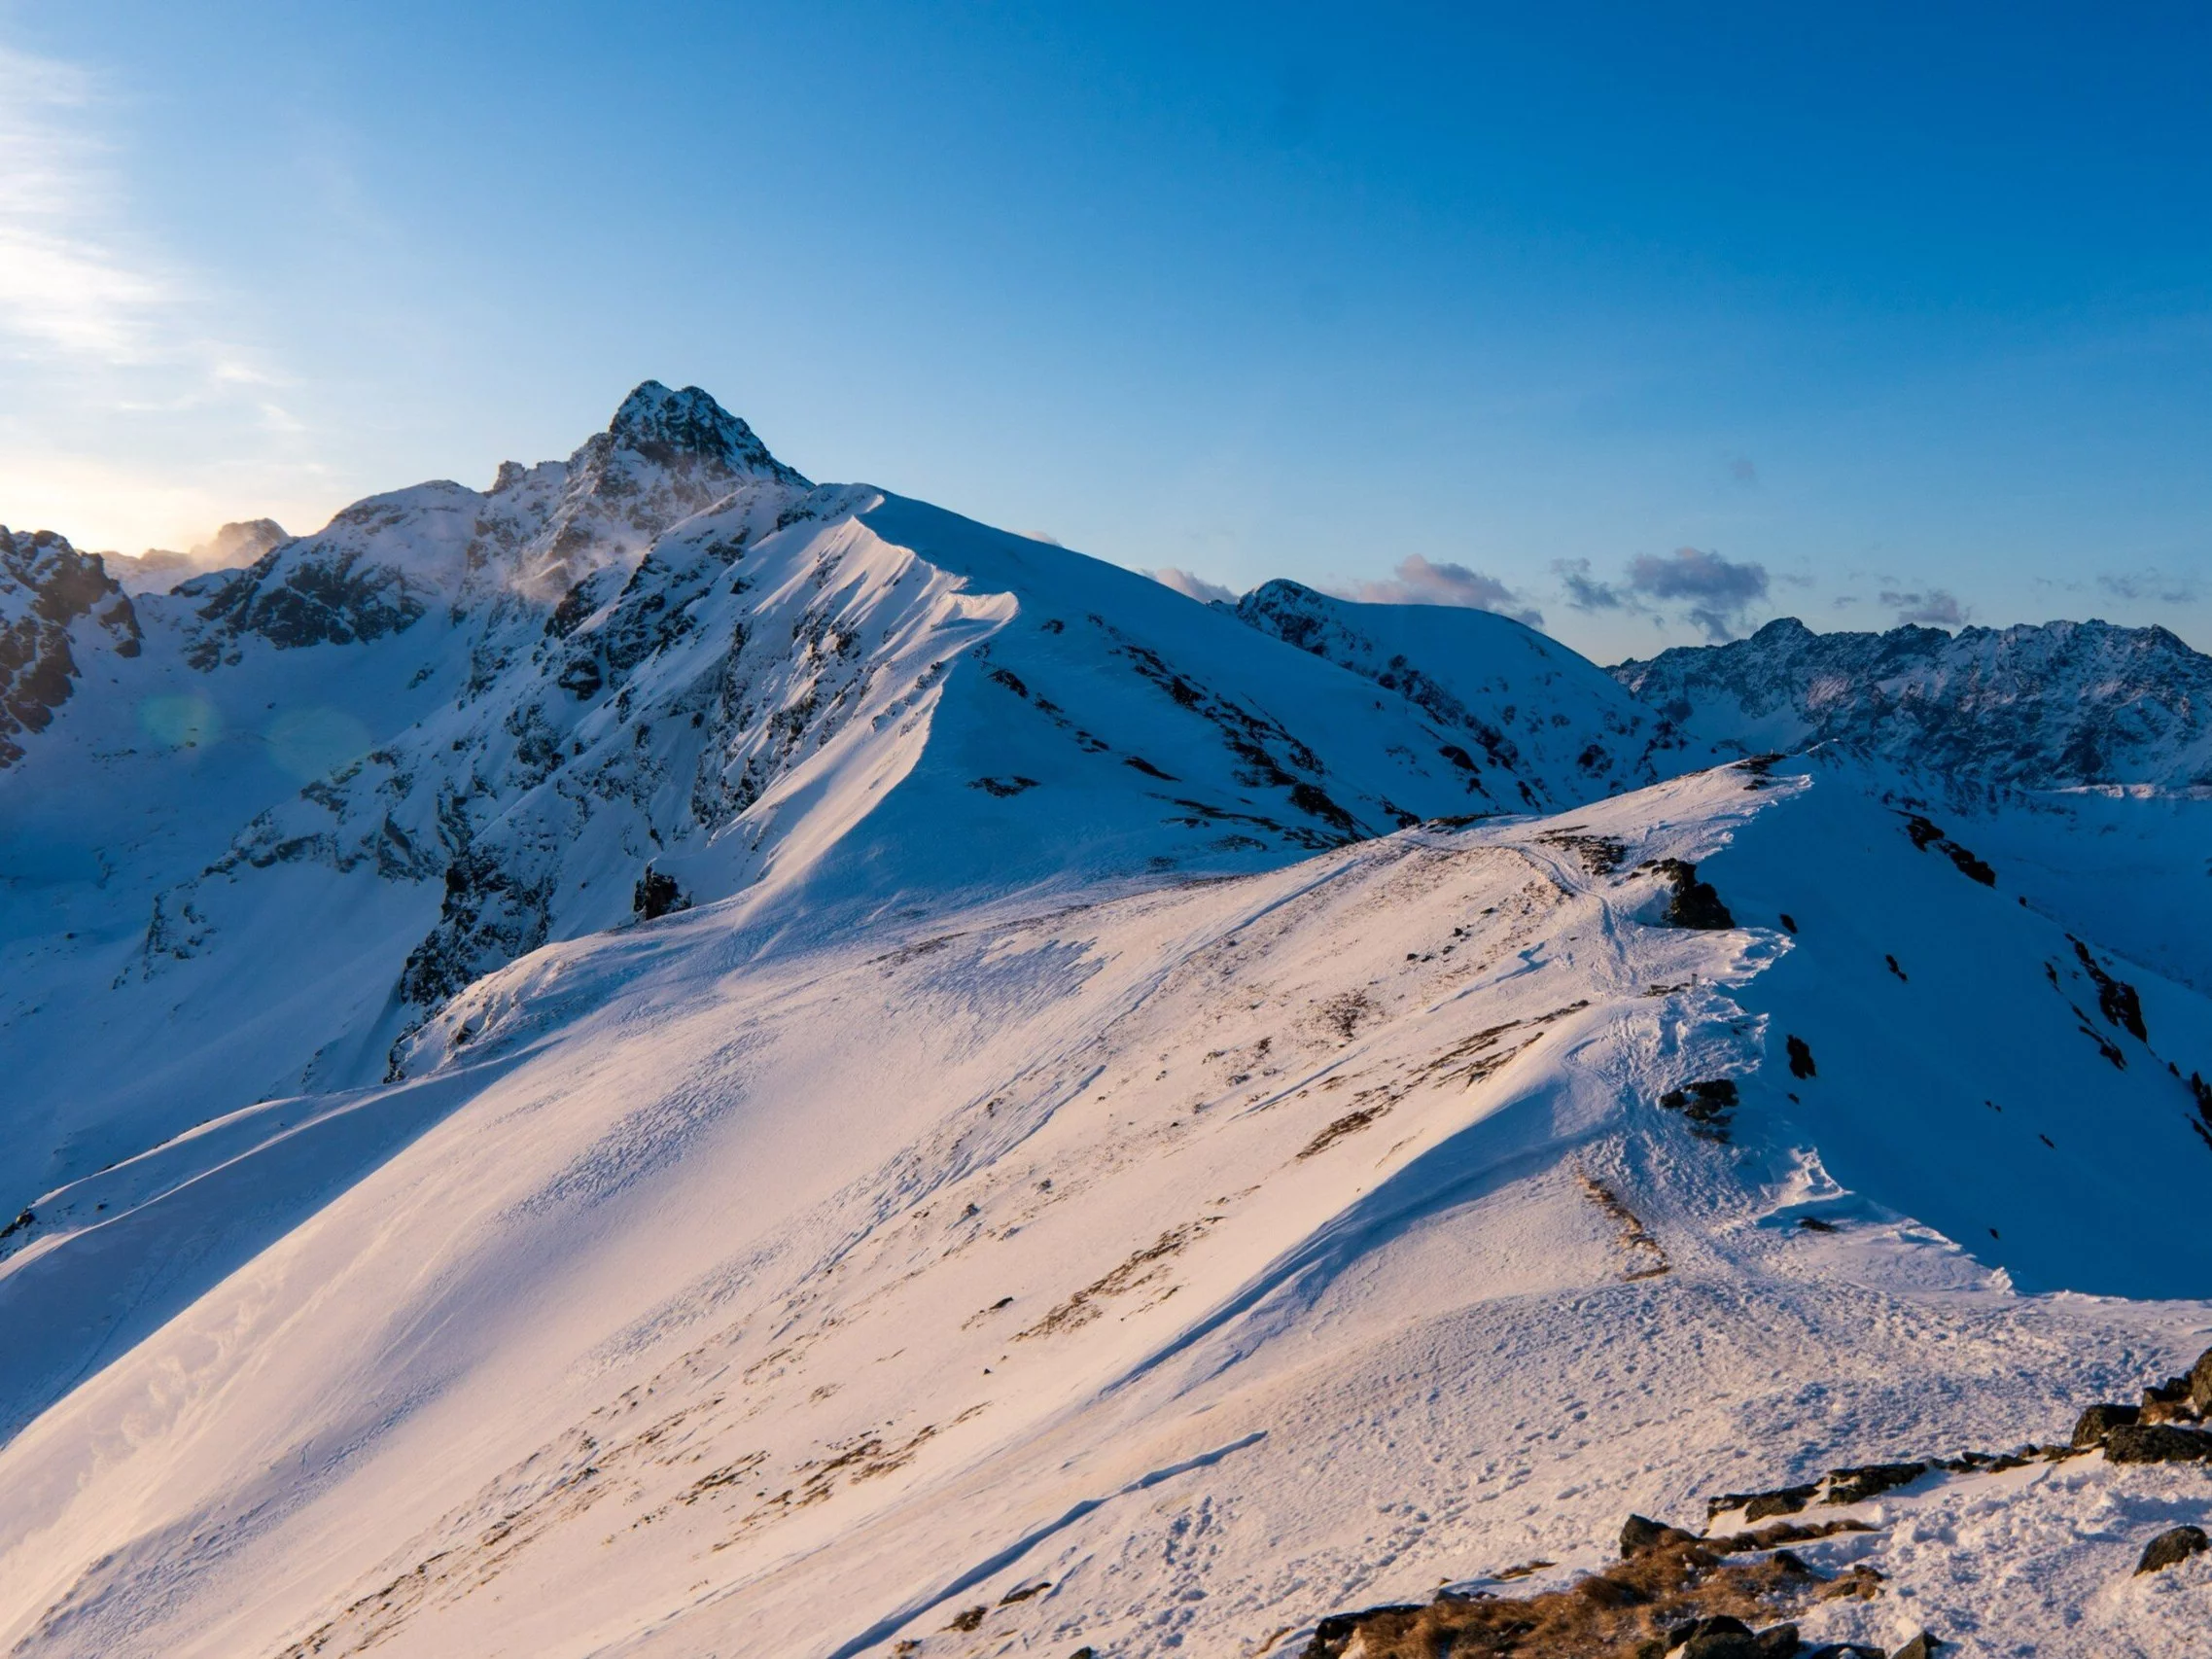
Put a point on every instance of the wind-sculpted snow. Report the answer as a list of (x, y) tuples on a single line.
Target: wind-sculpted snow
[(2061, 706)]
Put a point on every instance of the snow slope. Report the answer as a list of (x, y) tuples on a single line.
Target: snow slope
[(1220, 1255)]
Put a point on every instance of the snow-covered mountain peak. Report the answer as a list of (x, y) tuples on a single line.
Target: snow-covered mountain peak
[(674, 429), (540, 532), (664, 456)]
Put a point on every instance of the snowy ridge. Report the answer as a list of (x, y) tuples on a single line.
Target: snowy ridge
[(1524, 701), (1185, 1197), (715, 1064)]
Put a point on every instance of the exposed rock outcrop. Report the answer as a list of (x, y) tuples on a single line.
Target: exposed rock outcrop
[(48, 589)]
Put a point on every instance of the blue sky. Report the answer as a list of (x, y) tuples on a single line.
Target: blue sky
[(1654, 321)]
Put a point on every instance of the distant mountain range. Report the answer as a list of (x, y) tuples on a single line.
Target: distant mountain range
[(2067, 705)]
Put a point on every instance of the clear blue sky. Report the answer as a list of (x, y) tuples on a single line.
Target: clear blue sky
[(1906, 301)]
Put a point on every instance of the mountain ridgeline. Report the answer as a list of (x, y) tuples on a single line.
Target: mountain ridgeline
[(670, 671), (663, 1058), (2060, 706)]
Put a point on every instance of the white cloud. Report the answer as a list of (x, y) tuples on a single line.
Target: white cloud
[(1192, 585), (68, 287), (1931, 607), (1715, 591), (1418, 580)]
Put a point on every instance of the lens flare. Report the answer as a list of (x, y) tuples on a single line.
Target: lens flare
[(308, 742), (182, 721)]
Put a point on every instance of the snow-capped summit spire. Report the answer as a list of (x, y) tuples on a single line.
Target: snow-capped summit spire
[(668, 427)]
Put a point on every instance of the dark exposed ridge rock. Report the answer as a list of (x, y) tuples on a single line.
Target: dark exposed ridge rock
[(1697, 1599), (2171, 1547), (2120, 1001), (310, 601), (1696, 904), (1640, 1532), (2158, 1443), (656, 895), (46, 588), (1925, 834), (2099, 1421)]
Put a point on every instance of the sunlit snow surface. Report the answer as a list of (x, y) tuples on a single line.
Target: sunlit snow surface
[(1025, 1179), (689, 1330)]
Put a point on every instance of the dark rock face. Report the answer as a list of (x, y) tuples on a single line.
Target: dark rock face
[(688, 430), (2099, 1421), (1738, 1643), (1870, 1480), (2158, 1443), (2200, 1384), (1758, 1506), (322, 597), (2059, 706), (1709, 1105), (2171, 1547), (1801, 1059), (491, 915), (1787, 1502), (46, 588), (1670, 1595), (2118, 1000), (1335, 1633), (1640, 1532), (1926, 834), (656, 896), (2167, 1402), (1696, 904)]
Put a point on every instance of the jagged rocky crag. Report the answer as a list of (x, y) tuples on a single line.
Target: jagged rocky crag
[(2065, 705), (52, 598)]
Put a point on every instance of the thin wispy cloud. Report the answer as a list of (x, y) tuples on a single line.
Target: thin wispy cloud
[(1587, 592), (1192, 585), (1418, 580), (120, 369), (1715, 593), (68, 287), (1933, 608), (2151, 585)]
